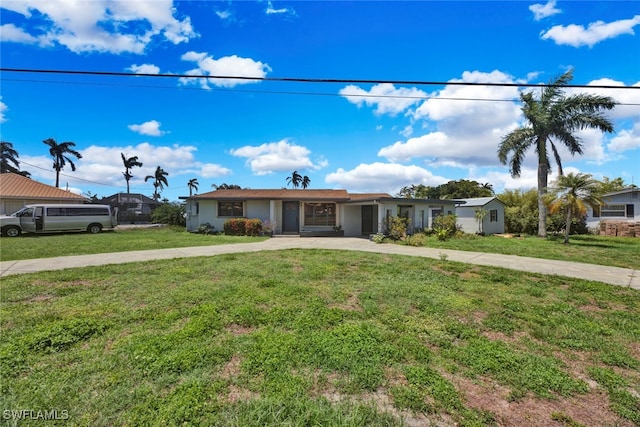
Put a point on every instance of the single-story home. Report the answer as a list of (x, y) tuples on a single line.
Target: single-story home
[(17, 190), (618, 206), (132, 207), (620, 214), (493, 221), (304, 212)]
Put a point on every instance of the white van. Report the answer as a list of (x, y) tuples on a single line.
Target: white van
[(59, 218)]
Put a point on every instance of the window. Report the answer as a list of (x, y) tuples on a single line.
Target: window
[(596, 211), (613, 210), (230, 209), (320, 214), (493, 215), (630, 213)]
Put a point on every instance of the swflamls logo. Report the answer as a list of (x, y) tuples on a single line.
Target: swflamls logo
[(31, 414)]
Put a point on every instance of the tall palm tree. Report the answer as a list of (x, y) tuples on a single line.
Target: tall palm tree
[(295, 179), (553, 118), (193, 185), (305, 182), (159, 180), (572, 193), (129, 163), (9, 159), (61, 155)]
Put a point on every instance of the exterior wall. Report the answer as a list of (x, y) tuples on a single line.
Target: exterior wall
[(467, 218), (257, 209), (630, 198), (351, 220)]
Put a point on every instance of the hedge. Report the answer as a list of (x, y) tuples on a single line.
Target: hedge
[(242, 227)]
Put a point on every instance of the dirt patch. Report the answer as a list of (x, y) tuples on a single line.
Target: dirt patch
[(236, 329), (352, 302), (39, 298), (590, 409)]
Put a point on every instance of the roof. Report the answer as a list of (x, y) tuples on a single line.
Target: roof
[(625, 191), (129, 198), (311, 195), (476, 201), (281, 194), (14, 186)]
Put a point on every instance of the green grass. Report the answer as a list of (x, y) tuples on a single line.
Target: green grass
[(53, 245), (613, 251), (313, 337)]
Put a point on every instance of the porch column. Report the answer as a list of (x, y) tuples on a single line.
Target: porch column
[(272, 213)]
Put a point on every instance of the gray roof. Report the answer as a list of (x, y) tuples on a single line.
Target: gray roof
[(476, 202)]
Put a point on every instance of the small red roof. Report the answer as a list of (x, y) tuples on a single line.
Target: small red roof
[(14, 186)]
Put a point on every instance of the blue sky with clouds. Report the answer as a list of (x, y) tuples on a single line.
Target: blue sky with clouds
[(361, 137)]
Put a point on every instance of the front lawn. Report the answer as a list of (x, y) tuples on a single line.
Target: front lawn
[(52, 245), (318, 337)]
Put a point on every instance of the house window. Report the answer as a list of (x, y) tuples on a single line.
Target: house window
[(630, 213), (613, 210), (230, 209), (197, 208), (596, 211), (493, 215), (320, 214)]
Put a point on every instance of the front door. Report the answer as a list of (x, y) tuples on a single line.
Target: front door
[(368, 220), (290, 217)]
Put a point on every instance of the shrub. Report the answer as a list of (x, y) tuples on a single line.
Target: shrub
[(169, 213), (445, 226), (397, 227), (242, 227), (205, 228), (417, 239)]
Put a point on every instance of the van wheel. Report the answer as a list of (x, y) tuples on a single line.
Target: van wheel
[(11, 231), (94, 228)]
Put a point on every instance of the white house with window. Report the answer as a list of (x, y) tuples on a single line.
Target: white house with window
[(305, 212), (492, 211), (619, 206)]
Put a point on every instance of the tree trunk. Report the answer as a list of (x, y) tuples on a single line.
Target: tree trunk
[(543, 175), (568, 225)]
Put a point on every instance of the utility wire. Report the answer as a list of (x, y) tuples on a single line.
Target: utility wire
[(302, 80)]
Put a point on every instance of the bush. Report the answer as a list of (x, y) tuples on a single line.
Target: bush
[(169, 213), (397, 227), (205, 228), (445, 226), (417, 239), (242, 227)]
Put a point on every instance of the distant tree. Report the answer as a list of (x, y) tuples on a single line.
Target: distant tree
[(225, 186), (61, 156), (611, 185), (9, 159), (170, 214), (460, 189), (159, 181), (521, 211), (572, 193), (306, 181), (295, 179), (419, 191), (129, 163), (552, 118), (193, 185)]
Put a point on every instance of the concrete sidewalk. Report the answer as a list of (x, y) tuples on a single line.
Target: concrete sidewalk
[(612, 275)]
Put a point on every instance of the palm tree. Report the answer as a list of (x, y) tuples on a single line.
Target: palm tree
[(193, 185), (60, 153), (305, 182), (573, 192), (9, 159), (129, 163), (225, 186), (159, 179), (553, 118), (295, 179)]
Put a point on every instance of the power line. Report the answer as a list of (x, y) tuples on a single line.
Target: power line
[(302, 80), (280, 92)]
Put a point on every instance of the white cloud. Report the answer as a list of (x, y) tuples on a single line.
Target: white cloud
[(625, 140), (11, 33), (114, 26), (382, 177), (541, 11), (577, 35), (151, 128), (385, 97), (3, 108), (468, 130), (270, 10), (144, 69), (281, 156), (225, 66), (223, 14)]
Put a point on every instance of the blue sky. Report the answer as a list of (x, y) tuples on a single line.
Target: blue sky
[(360, 137)]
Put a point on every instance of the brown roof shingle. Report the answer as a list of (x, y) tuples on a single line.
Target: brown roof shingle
[(16, 186)]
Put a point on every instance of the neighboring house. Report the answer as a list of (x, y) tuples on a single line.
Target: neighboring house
[(132, 207), (17, 191), (307, 211), (493, 222), (619, 206)]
